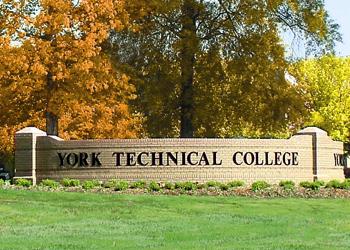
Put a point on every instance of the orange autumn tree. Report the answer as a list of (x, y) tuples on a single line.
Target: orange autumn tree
[(53, 70)]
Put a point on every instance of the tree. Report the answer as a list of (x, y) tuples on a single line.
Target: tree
[(224, 59), (52, 66), (325, 84)]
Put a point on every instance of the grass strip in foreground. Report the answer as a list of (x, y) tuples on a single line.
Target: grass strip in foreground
[(60, 220)]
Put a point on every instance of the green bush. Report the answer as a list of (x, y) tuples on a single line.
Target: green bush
[(23, 182), (259, 185), (153, 186), (316, 185), (287, 184), (334, 184), (139, 184), (236, 183), (224, 186), (121, 185), (2, 182), (321, 183), (305, 184), (213, 184), (66, 182), (169, 186), (189, 186), (110, 183), (49, 183), (345, 184), (90, 184), (201, 186), (179, 185)]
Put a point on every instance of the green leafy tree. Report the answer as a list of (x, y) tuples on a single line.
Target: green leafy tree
[(217, 68), (325, 85)]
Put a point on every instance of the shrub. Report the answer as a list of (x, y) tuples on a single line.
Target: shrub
[(188, 186), (345, 184), (153, 186), (321, 183), (110, 183), (66, 182), (139, 184), (334, 184), (179, 185), (90, 184), (169, 186), (23, 182), (305, 184), (224, 186), (236, 183), (316, 185), (201, 186), (259, 185), (121, 185), (49, 183), (287, 184), (213, 184), (2, 182)]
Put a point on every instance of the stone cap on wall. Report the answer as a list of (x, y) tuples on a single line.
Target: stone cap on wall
[(37, 132), (31, 130), (313, 130)]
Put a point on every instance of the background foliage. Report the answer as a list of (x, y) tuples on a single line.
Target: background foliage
[(52, 65), (325, 84), (158, 68)]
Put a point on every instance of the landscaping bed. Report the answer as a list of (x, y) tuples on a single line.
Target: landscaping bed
[(317, 189)]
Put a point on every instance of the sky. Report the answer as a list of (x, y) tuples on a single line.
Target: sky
[(339, 11)]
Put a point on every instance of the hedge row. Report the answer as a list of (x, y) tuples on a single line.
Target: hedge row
[(120, 185)]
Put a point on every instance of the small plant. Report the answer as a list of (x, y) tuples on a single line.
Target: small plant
[(224, 186), (49, 183), (334, 184), (259, 185), (169, 186), (110, 183), (287, 184), (179, 185), (236, 183), (213, 184), (121, 185), (316, 185), (90, 184), (153, 186), (321, 183), (201, 186), (189, 186), (2, 182), (345, 184), (139, 184), (23, 182), (66, 182)]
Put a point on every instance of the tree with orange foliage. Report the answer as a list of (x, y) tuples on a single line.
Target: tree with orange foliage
[(53, 69)]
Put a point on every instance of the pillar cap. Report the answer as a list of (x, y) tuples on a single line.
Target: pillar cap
[(31, 130), (313, 130)]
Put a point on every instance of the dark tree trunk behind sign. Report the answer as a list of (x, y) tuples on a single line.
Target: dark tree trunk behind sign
[(189, 46), (51, 118)]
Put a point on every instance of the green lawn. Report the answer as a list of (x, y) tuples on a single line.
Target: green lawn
[(38, 220)]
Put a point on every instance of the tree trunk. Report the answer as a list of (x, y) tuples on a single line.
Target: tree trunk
[(51, 123), (189, 46), (51, 118)]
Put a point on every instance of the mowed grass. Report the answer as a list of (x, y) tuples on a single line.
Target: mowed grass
[(39, 220)]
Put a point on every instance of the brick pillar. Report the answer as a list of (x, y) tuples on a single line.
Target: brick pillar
[(324, 151), (25, 154)]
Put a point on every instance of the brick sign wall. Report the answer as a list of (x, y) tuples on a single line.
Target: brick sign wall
[(308, 155)]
